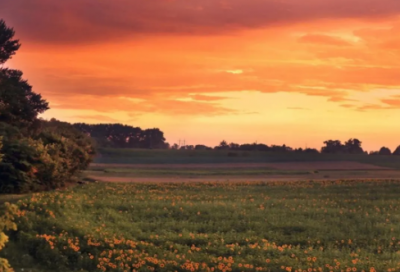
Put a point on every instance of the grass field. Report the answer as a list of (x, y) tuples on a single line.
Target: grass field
[(241, 226), (144, 156)]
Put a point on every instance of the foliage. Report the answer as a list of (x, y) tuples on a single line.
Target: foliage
[(123, 136), (220, 226), (397, 151), (46, 160), (352, 146), (8, 46), (6, 223), (385, 151), (37, 155), (19, 105)]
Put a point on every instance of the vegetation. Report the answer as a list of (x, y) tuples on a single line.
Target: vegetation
[(195, 172), (6, 224), (275, 226), (155, 156), (123, 136), (37, 154)]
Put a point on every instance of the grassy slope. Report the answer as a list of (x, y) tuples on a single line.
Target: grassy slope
[(201, 222), (212, 156)]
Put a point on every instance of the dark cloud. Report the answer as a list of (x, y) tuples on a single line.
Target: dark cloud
[(84, 21)]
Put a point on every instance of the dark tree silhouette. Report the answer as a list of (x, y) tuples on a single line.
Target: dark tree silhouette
[(8, 46), (353, 146), (36, 155), (19, 105), (202, 147), (223, 145), (397, 151), (123, 136), (385, 151), (332, 147)]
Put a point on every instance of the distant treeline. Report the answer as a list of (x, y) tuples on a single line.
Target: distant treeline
[(123, 136), (352, 146)]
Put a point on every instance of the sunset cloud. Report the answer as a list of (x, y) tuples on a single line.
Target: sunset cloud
[(213, 63), (87, 21), (323, 39)]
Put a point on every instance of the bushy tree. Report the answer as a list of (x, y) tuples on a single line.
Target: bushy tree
[(385, 151), (123, 136), (353, 146), (332, 146), (43, 161), (397, 151), (37, 155)]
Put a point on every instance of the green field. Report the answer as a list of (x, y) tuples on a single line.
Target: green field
[(145, 156), (157, 172), (241, 226)]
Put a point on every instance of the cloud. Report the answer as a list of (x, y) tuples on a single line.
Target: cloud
[(349, 106), (323, 40), (118, 104), (392, 102), (372, 107), (87, 21), (200, 97), (180, 57)]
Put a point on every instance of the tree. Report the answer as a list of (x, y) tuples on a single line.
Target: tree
[(19, 105), (385, 151), (175, 146), (353, 146), (223, 145), (36, 155), (8, 46), (332, 146), (397, 151), (123, 136)]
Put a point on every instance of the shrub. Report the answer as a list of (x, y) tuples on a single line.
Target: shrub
[(6, 223), (46, 160)]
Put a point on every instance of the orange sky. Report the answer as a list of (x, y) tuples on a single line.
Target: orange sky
[(274, 71)]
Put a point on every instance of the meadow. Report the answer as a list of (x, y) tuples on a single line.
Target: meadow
[(160, 156), (302, 226)]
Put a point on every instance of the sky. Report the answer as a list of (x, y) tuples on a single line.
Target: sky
[(294, 72)]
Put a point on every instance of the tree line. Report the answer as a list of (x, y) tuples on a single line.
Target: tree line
[(352, 146), (35, 154), (123, 136)]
